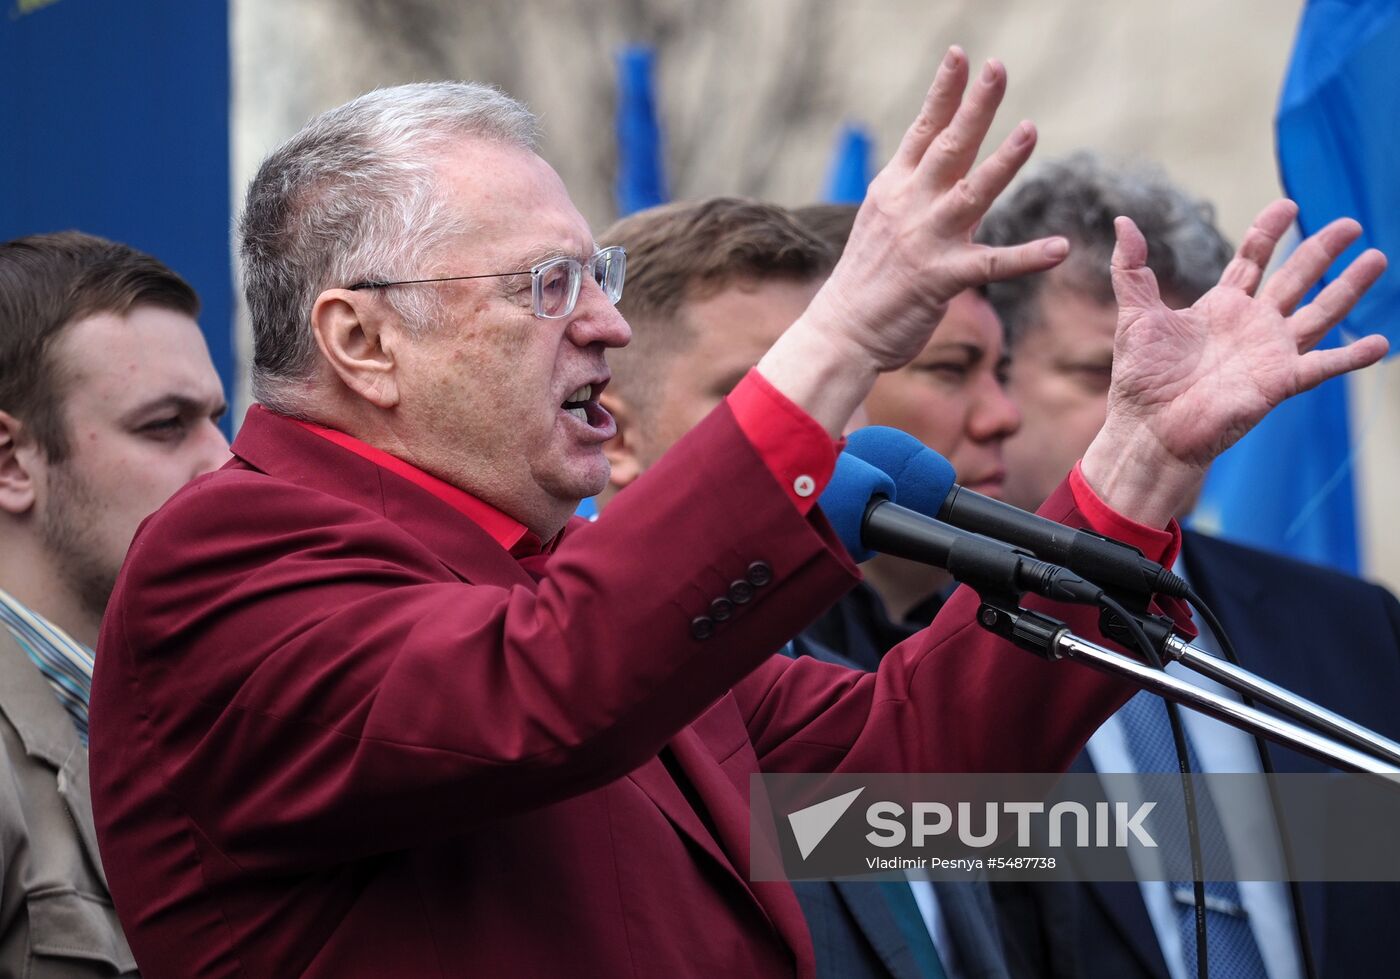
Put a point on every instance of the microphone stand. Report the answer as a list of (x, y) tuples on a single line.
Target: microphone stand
[(1171, 645), (1365, 751), (1000, 574), (1281, 699)]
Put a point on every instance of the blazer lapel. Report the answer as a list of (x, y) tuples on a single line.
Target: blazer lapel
[(49, 736), (73, 789), (972, 926), (696, 751), (867, 905), (655, 779)]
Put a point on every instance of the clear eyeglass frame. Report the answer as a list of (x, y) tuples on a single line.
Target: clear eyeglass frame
[(554, 283)]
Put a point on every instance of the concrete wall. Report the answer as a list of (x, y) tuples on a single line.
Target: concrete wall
[(753, 91)]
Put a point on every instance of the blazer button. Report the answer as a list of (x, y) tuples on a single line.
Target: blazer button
[(702, 627), (721, 609), (740, 591), (760, 574)]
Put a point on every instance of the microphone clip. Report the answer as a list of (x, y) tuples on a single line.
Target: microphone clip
[(1032, 631)]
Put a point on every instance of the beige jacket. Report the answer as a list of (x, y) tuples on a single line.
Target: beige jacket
[(56, 919)]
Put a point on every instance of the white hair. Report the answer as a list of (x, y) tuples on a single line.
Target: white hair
[(352, 197)]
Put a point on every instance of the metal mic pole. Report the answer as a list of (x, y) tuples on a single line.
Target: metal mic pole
[(1282, 700), (1067, 645)]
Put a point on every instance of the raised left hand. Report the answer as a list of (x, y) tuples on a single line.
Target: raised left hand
[(1189, 383)]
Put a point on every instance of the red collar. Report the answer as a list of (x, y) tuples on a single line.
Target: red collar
[(504, 530)]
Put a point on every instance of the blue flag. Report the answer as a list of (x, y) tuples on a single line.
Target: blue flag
[(1288, 485), (641, 172), (1339, 138), (850, 171), (115, 121)]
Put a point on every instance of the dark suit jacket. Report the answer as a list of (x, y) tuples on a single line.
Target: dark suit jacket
[(339, 731), (1329, 637), (854, 931)]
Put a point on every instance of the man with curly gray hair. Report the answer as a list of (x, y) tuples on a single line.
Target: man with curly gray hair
[(1062, 326)]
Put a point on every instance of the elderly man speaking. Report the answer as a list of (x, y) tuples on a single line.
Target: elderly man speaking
[(366, 707)]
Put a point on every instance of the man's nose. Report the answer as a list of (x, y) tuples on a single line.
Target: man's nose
[(596, 319)]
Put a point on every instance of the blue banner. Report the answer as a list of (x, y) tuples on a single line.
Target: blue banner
[(115, 121), (641, 168), (851, 171), (1339, 138), (1288, 485)]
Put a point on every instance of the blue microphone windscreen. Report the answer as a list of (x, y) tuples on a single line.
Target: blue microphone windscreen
[(845, 498), (922, 477)]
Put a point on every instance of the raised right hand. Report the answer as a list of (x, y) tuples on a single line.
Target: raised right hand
[(911, 249)]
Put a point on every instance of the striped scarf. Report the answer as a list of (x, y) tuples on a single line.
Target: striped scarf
[(65, 662)]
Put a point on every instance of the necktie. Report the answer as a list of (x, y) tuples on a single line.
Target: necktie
[(912, 926), (1234, 954)]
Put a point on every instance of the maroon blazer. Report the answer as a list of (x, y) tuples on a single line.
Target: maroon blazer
[(339, 731)]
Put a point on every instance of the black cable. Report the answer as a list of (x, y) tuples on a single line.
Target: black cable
[(1193, 831), (1295, 890)]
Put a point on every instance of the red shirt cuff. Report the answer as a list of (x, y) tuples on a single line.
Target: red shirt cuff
[(796, 450), (1161, 546)]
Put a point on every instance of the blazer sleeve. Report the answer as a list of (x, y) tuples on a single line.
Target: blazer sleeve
[(953, 698), (347, 693)]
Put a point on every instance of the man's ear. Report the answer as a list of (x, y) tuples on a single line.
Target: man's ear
[(17, 458), (356, 333), (621, 449)]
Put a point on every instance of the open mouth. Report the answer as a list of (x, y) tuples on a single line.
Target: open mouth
[(583, 405)]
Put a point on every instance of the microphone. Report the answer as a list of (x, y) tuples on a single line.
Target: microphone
[(853, 484), (924, 482), (857, 504)]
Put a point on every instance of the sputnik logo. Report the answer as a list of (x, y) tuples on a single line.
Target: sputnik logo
[(810, 825)]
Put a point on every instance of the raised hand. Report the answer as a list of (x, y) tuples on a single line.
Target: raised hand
[(1188, 384), (911, 249)]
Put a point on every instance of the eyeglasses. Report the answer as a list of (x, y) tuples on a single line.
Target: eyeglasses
[(554, 284)]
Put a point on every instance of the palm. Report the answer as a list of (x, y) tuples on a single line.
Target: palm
[(1187, 384), (1202, 377), (1197, 379)]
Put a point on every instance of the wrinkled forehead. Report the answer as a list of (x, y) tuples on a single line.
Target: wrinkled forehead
[(508, 207)]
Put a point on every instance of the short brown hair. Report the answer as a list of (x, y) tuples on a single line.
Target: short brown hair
[(47, 283), (832, 223), (683, 252)]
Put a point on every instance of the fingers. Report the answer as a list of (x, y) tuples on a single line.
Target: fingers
[(1311, 323), (1246, 269), (1291, 282), (995, 264), (1134, 285), (952, 153), (963, 206), (1323, 365), (940, 105)]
